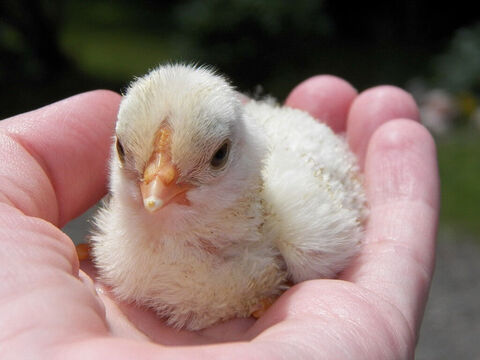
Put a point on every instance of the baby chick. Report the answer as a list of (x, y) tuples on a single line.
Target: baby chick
[(217, 205)]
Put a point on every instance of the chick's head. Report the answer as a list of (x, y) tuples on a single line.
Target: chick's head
[(183, 147)]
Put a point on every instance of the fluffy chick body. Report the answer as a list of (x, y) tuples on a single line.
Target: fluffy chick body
[(289, 207)]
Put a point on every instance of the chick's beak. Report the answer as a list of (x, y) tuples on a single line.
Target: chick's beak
[(160, 186)]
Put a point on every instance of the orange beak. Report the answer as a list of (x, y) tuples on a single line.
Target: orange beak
[(159, 185)]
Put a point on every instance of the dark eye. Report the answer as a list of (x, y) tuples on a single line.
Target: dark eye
[(219, 159), (120, 151)]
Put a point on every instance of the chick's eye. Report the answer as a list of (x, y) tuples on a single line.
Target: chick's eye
[(220, 157), (120, 151)]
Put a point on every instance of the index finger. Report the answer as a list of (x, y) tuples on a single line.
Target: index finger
[(54, 158)]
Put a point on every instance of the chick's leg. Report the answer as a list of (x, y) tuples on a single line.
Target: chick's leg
[(264, 305), (83, 251)]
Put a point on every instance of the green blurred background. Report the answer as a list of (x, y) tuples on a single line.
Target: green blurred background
[(52, 49)]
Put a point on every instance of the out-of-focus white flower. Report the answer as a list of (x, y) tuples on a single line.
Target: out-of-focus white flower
[(438, 109)]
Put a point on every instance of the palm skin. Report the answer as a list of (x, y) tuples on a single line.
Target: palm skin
[(53, 168)]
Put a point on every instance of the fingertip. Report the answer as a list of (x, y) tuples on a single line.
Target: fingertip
[(90, 133), (401, 133), (401, 163), (374, 107), (70, 140), (100, 94), (98, 100), (93, 115), (325, 97), (389, 100)]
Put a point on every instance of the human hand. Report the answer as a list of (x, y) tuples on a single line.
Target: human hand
[(53, 168)]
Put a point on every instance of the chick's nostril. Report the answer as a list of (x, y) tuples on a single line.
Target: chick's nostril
[(167, 175), (152, 167)]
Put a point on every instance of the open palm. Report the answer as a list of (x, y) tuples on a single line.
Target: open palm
[(53, 168)]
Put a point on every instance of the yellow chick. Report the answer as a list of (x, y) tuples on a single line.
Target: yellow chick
[(217, 205)]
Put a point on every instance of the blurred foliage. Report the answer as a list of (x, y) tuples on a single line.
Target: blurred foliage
[(112, 44), (458, 69), (252, 39), (104, 43), (29, 39)]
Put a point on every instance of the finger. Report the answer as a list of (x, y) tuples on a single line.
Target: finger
[(56, 156), (397, 258), (42, 299), (371, 109), (326, 98)]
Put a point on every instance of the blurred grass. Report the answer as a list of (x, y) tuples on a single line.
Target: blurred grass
[(459, 162), (113, 43), (114, 55)]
